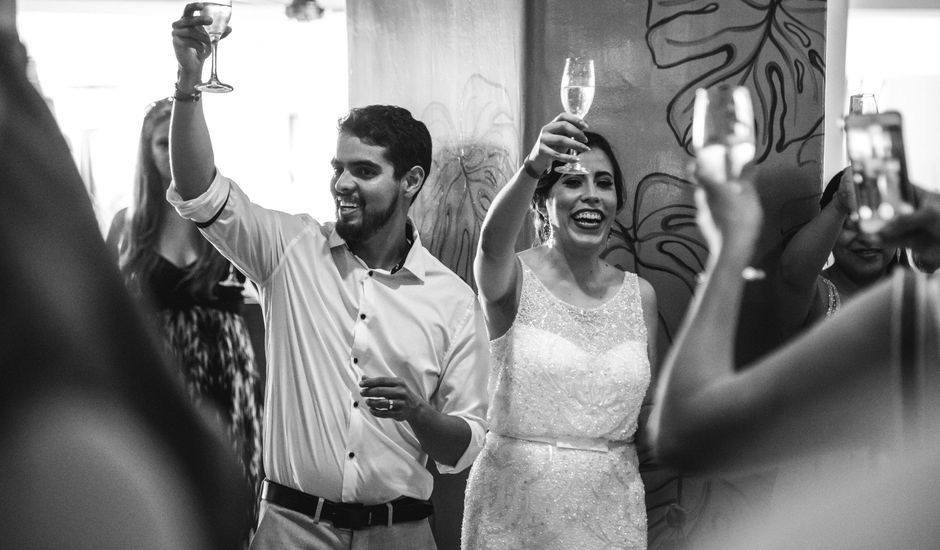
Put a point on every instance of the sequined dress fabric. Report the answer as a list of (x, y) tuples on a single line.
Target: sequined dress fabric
[(576, 377)]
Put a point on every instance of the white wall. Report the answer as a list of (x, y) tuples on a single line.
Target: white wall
[(837, 12), (891, 51), (102, 62)]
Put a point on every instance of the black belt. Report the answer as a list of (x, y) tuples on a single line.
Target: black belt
[(345, 515)]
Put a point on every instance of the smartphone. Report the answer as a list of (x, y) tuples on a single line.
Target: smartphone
[(879, 170)]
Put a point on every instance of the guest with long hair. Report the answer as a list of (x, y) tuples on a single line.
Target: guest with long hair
[(100, 446), (192, 293)]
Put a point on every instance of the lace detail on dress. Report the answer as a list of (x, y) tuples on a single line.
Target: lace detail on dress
[(564, 371), (568, 373)]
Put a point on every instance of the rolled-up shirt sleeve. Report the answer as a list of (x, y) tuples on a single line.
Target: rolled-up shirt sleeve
[(250, 236), (463, 388), (206, 207)]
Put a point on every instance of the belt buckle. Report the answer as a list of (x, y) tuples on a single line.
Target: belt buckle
[(583, 445), (345, 518)]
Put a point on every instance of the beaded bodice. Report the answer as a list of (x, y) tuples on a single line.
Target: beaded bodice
[(564, 371)]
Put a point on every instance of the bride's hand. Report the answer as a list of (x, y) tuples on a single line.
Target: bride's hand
[(556, 139)]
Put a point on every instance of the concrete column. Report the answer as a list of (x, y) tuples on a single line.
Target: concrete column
[(837, 16)]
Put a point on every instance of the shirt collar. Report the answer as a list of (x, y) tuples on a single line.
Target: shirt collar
[(414, 260)]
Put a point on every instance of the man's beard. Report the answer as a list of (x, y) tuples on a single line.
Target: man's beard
[(372, 223)]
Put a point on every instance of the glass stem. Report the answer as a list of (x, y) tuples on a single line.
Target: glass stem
[(215, 49)]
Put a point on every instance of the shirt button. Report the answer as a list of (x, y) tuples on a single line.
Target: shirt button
[(362, 315), (352, 455), (370, 273), (355, 359), (355, 404)]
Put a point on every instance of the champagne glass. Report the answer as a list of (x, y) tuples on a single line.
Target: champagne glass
[(862, 104), (577, 94), (723, 137), (220, 11), (723, 131)]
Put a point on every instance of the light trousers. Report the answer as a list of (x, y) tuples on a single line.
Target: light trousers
[(282, 529)]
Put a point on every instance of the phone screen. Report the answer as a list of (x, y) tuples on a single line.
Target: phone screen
[(876, 152)]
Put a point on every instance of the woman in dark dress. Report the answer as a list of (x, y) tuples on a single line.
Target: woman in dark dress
[(192, 293)]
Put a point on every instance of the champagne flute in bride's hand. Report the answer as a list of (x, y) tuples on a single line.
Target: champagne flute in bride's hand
[(577, 94), (220, 11), (723, 137)]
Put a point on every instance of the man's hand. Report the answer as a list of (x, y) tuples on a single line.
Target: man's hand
[(556, 139), (191, 42), (445, 438), (390, 398)]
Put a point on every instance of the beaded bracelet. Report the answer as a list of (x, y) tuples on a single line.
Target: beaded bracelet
[(527, 168), (186, 97)]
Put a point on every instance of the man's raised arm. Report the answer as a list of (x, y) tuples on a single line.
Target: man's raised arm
[(191, 159)]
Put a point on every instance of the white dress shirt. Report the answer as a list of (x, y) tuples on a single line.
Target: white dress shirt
[(330, 319)]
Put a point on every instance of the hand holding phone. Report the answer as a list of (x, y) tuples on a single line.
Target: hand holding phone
[(879, 170)]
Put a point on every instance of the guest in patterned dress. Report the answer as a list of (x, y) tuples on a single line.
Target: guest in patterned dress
[(193, 295), (572, 339)]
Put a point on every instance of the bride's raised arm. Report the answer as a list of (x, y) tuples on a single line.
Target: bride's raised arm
[(495, 267)]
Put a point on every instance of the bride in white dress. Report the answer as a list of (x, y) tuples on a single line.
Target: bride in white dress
[(571, 340)]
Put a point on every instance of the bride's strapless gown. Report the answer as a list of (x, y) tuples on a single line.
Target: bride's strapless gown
[(559, 467)]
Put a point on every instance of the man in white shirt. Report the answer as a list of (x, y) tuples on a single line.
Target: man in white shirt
[(378, 357)]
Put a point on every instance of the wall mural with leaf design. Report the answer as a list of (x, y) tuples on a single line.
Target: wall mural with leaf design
[(775, 48), (473, 158)]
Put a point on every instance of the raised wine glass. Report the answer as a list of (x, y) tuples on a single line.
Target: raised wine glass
[(723, 137), (220, 11), (723, 131), (577, 94), (863, 104)]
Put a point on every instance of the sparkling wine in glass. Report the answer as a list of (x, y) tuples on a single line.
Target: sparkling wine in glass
[(577, 94), (863, 104), (723, 137), (220, 11)]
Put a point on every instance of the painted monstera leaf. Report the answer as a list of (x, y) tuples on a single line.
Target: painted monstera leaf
[(660, 231), (473, 158), (776, 48), (659, 238)]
